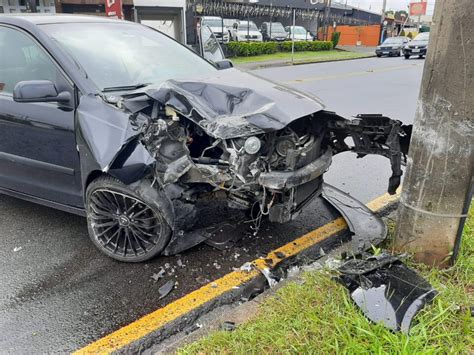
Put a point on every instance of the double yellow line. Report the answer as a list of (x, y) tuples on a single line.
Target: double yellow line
[(154, 321)]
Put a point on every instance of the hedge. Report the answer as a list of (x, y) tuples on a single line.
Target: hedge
[(246, 49)]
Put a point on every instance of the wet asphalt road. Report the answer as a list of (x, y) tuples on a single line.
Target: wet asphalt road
[(57, 293)]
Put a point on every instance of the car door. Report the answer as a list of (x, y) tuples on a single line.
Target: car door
[(38, 155)]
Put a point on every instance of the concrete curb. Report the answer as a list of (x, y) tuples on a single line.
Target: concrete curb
[(257, 65)]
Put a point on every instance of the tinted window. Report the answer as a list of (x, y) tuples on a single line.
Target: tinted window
[(213, 22), (124, 54), (394, 40), (22, 59)]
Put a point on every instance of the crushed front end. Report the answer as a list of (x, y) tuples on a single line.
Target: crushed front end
[(262, 151)]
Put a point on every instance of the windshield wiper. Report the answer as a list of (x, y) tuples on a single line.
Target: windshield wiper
[(125, 88)]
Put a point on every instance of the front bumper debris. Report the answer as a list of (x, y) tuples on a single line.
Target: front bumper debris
[(284, 180), (386, 290)]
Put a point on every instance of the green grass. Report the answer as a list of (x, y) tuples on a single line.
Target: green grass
[(319, 317), (301, 57)]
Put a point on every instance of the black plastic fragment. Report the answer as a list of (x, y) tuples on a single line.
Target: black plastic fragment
[(386, 290), (166, 289)]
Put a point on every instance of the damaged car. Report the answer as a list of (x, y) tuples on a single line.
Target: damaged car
[(121, 124)]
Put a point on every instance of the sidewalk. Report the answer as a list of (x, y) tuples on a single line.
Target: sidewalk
[(358, 49)]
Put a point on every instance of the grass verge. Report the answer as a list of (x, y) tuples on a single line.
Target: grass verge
[(318, 316), (301, 57)]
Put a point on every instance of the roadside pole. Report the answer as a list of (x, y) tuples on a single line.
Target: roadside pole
[(440, 163), (293, 38), (382, 20)]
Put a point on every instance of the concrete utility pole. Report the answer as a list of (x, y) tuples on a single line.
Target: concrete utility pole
[(441, 160), (382, 20)]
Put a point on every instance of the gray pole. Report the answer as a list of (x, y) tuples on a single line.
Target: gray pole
[(382, 19), (293, 38), (440, 163)]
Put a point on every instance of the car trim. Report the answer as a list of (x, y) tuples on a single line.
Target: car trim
[(59, 206), (36, 163)]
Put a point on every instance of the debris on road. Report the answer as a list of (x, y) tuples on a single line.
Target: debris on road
[(166, 289), (386, 290), (159, 275), (17, 249)]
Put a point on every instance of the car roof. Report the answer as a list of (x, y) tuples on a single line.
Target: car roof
[(41, 19)]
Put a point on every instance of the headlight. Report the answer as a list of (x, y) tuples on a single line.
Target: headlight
[(252, 145)]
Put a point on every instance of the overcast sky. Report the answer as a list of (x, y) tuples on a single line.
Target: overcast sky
[(376, 5)]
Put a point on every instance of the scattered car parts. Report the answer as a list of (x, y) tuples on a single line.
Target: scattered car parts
[(386, 290)]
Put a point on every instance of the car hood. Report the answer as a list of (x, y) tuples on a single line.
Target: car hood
[(251, 33), (418, 43), (279, 34), (218, 29), (245, 105)]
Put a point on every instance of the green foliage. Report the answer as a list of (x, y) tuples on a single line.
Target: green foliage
[(246, 49), (335, 38), (317, 316), (410, 35)]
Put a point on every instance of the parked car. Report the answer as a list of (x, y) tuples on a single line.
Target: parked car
[(244, 31), (392, 46), (418, 46), (136, 131), (229, 24), (217, 26), (300, 33), (273, 31)]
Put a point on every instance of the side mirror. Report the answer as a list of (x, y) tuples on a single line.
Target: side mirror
[(39, 91), (210, 48), (224, 64)]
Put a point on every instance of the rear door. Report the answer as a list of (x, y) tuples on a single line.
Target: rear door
[(38, 155)]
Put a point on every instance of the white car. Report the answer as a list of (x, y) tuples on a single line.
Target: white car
[(217, 26), (300, 33), (245, 31)]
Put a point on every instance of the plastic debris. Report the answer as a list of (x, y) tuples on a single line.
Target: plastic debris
[(159, 275), (386, 290), (166, 289), (228, 326)]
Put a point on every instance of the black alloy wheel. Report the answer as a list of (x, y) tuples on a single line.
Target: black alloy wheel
[(122, 225)]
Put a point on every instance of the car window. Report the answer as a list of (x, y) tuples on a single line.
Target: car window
[(22, 59)]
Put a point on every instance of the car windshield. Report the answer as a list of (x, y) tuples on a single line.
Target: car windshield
[(126, 54), (229, 22), (244, 26), (423, 36), (299, 30), (394, 40), (214, 22), (277, 27)]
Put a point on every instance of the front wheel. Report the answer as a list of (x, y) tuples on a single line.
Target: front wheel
[(407, 56), (122, 224)]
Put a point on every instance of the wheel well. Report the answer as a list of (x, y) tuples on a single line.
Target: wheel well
[(92, 176)]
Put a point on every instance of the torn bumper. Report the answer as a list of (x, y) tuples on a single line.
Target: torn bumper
[(284, 180)]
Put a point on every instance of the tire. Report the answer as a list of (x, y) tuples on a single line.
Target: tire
[(379, 55), (420, 57), (407, 56), (122, 224)]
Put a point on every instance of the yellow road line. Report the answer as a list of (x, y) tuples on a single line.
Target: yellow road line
[(157, 319), (350, 74)]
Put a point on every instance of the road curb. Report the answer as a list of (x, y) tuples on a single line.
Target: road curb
[(181, 313), (257, 66)]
